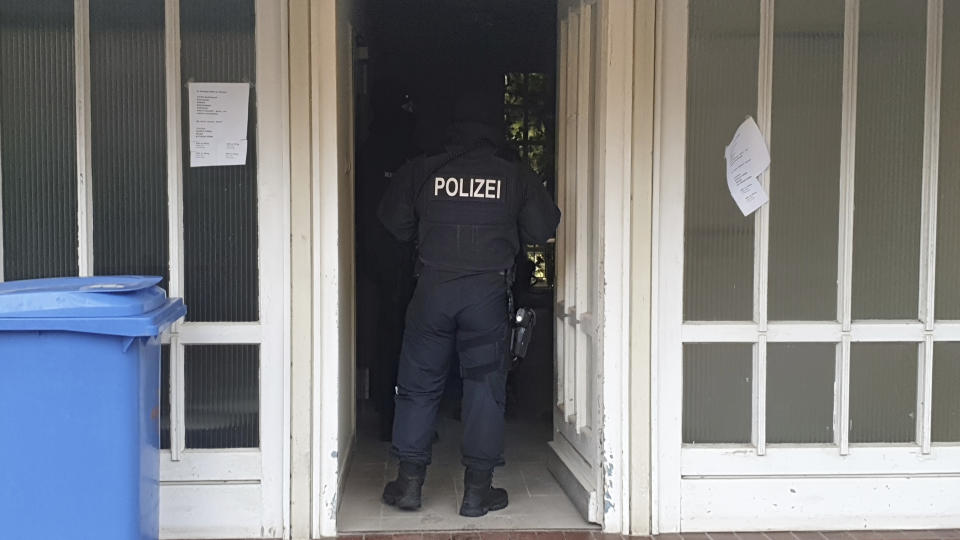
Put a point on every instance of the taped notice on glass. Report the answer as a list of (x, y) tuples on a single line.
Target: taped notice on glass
[(747, 158), (218, 123)]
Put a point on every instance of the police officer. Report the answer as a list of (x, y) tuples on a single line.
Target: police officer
[(470, 209)]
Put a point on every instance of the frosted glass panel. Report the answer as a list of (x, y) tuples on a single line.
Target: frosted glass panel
[(889, 161), (805, 155), (883, 392), (721, 91), (716, 392), (800, 379), (220, 203), (165, 397), (38, 144), (222, 396), (129, 139), (946, 392), (948, 219)]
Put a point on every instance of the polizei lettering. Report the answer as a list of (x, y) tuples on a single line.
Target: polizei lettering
[(473, 188)]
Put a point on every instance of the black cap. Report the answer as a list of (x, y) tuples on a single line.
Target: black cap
[(480, 107)]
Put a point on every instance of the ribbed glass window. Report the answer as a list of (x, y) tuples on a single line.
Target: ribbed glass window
[(800, 383), (220, 203), (946, 392), (889, 159), (948, 189), (717, 389), (721, 92), (805, 159), (128, 140), (222, 396), (883, 392), (38, 142)]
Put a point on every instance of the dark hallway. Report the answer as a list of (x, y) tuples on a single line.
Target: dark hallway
[(413, 60)]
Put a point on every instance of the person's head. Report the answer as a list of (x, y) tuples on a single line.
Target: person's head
[(479, 107)]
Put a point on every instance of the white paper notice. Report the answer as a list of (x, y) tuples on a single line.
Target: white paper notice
[(747, 158), (218, 123)]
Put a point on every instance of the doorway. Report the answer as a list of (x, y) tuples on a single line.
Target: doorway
[(416, 58)]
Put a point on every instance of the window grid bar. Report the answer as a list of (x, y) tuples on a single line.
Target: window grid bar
[(760, 395), (81, 35), (561, 202), (838, 392), (925, 395), (570, 334), (842, 427), (583, 178), (761, 257), (928, 242), (848, 140), (819, 332), (931, 159), (178, 429), (174, 217), (761, 251)]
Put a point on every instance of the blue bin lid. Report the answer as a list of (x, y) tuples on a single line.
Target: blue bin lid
[(116, 305)]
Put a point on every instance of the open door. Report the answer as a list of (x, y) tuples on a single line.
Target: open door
[(594, 111)]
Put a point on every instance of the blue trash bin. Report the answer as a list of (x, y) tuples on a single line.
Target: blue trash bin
[(80, 406)]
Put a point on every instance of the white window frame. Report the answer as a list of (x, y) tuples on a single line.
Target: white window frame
[(677, 466)]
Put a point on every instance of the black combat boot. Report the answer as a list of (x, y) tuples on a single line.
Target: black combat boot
[(404, 492), (479, 497)]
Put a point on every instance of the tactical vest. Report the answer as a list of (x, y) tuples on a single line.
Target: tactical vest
[(468, 209)]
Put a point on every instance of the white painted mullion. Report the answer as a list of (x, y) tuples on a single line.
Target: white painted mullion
[(928, 242), (848, 145), (842, 400), (848, 142), (81, 35), (931, 159), (761, 251), (174, 215), (178, 430), (760, 395), (925, 395)]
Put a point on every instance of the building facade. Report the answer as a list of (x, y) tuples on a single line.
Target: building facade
[(796, 368)]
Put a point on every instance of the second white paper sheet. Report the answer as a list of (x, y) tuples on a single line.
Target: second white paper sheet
[(747, 157)]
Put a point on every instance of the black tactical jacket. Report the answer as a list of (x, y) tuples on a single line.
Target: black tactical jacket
[(470, 207)]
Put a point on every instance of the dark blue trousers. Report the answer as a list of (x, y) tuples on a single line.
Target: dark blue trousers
[(454, 314)]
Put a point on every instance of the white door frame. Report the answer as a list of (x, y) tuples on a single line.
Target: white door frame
[(333, 355), (331, 158)]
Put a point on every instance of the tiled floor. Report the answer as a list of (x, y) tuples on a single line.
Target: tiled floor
[(536, 499), (588, 535)]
